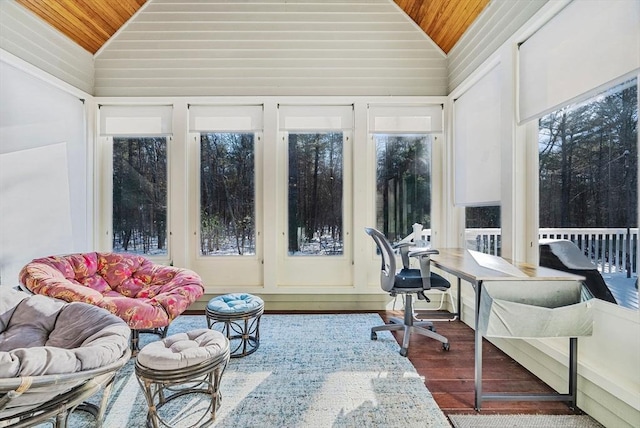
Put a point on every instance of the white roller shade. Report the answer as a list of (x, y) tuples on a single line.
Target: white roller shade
[(315, 118), (220, 118), (405, 119), (135, 120), (476, 143), (43, 171), (586, 45)]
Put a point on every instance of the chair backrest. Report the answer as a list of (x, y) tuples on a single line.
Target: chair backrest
[(388, 269)]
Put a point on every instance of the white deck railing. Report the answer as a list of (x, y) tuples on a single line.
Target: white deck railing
[(611, 249)]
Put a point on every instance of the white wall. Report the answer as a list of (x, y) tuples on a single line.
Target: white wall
[(276, 47), (43, 168), (28, 37)]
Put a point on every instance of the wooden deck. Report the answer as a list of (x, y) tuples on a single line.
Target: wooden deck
[(449, 375)]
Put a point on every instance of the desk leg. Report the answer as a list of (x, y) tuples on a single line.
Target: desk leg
[(573, 371), (459, 302), (478, 349)]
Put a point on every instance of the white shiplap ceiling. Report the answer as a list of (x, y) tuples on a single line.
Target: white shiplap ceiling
[(91, 23)]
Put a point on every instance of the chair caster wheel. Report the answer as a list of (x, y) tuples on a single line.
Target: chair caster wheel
[(432, 328), (403, 352), (374, 336), (445, 346)]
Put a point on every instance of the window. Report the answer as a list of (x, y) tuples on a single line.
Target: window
[(315, 139), (136, 148), (227, 137), (403, 136), (227, 196), (315, 193), (140, 195), (588, 184), (403, 183), (482, 229)]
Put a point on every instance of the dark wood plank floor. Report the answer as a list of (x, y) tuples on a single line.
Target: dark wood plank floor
[(449, 375)]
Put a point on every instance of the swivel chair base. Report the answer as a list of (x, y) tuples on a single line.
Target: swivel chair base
[(410, 325)]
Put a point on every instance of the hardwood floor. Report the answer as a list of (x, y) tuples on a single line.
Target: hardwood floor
[(449, 375)]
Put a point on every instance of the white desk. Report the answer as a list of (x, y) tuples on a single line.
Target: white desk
[(460, 263)]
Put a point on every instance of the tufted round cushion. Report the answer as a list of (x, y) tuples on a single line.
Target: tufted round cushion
[(183, 350), (237, 303), (43, 336)]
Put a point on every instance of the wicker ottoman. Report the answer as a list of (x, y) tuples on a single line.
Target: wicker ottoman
[(237, 316), (184, 363)]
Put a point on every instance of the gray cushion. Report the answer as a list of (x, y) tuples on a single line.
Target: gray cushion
[(42, 336), (183, 350)]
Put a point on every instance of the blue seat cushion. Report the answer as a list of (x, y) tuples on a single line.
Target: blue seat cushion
[(412, 278), (236, 303)]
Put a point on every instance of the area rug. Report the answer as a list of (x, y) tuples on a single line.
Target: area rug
[(309, 371), (524, 421)]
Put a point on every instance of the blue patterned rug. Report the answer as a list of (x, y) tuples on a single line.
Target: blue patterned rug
[(309, 371)]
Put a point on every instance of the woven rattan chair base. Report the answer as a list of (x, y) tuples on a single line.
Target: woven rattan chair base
[(242, 329), (160, 387)]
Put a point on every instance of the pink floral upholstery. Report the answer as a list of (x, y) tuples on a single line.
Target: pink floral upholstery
[(144, 294)]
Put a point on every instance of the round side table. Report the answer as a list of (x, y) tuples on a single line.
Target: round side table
[(237, 316)]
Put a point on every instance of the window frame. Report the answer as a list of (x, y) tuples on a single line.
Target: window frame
[(104, 237), (221, 272), (257, 139)]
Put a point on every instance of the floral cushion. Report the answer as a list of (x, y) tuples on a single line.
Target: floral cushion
[(142, 293)]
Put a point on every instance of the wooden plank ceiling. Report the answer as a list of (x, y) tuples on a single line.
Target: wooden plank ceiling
[(444, 21), (90, 23)]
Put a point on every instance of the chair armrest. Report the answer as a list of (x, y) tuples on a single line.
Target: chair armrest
[(422, 252), (402, 245), (404, 252)]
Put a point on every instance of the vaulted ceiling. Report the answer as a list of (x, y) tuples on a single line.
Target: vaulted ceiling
[(90, 23), (444, 21)]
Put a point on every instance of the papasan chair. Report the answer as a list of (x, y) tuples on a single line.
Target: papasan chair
[(146, 295), (53, 356)]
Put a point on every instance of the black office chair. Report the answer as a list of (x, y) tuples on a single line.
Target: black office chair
[(407, 282)]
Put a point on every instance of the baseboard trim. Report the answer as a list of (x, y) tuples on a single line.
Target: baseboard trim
[(322, 302)]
